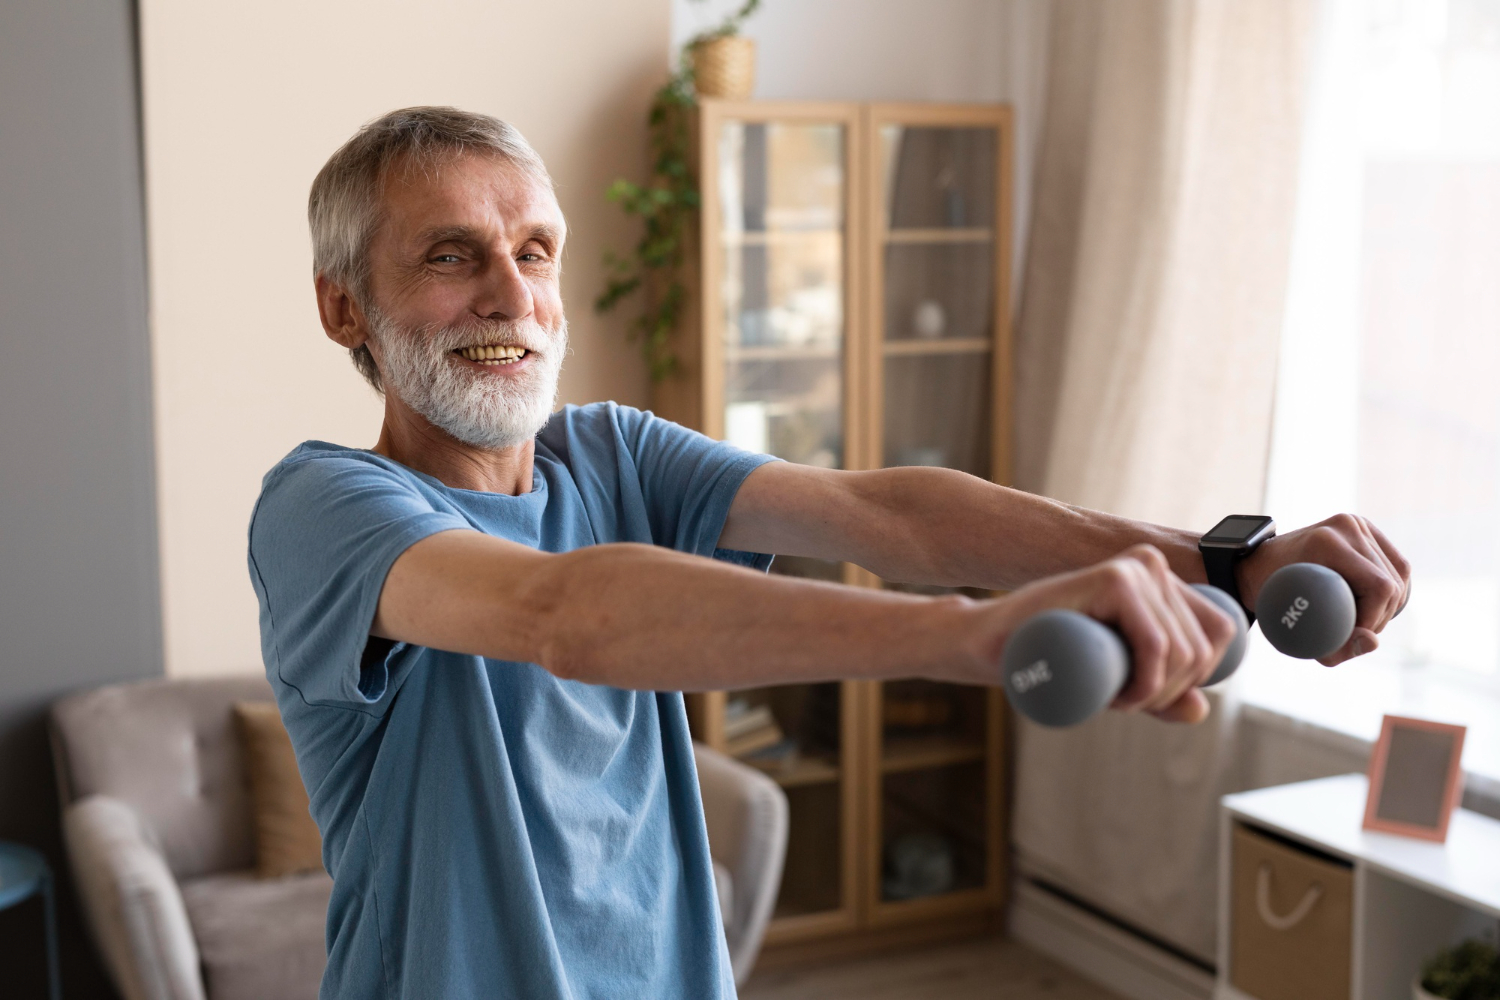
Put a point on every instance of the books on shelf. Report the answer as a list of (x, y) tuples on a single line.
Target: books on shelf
[(749, 728), (740, 717), (744, 746), (779, 757)]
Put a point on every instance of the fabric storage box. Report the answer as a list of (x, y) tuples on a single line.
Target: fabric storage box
[(1291, 920)]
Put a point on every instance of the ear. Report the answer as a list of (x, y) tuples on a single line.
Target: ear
[(343, 319)]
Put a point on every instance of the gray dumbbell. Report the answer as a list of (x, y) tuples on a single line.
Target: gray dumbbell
[(1061, 667), (1305, 610)]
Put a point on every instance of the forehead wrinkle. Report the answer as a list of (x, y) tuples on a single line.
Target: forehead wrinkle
[(449, 234)]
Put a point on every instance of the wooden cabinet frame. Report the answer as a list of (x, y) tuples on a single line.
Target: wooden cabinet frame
[(695, 396)]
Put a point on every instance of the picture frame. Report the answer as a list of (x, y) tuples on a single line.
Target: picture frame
[(1416, 778)]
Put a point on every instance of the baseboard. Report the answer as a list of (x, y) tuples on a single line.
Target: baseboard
[(1099, 950), (858, 944)]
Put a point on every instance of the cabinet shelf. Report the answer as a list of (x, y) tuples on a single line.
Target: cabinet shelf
[(781, 352), (918, 753), (808, 770), (767, 237), (937, 345), (954, 235)]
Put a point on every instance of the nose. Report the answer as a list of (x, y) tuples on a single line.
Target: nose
[(503, 294)]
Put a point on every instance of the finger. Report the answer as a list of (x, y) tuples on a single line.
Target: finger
[(1192, 665), (1165, 686), (1362, 641), (1348, 550), (1172, 674), (1191, 708), (1218, 628), (1401, 564), (1194, 660), (1376, 553), (1377, 596), (1123, 601)]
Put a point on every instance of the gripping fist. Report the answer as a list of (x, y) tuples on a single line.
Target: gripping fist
[(1355, 549), (1176, 635)]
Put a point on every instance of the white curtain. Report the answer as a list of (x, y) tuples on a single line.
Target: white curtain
[(1146, 359)]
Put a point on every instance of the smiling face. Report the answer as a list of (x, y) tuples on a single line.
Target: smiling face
[(464, 305)]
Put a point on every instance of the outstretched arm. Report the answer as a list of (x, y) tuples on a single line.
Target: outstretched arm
[(638, 616), (942, 527)]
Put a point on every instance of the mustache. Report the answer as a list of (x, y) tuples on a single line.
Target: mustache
[(527, 334)]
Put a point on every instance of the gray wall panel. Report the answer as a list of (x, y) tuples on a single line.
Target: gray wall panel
[(79, 589)]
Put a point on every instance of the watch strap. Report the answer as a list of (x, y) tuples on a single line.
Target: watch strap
[(1219, 566)]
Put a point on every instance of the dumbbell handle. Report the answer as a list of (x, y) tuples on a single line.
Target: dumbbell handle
[(1061, 667)]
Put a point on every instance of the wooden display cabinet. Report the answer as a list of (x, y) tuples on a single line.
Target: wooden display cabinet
[(852, 311)]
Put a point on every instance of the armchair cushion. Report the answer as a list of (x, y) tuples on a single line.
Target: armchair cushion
[(260, 938), (747, 815), (287, 841), (132, 901), (168, 748)]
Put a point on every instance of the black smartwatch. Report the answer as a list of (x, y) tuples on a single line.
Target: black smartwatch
[(1229, 541)]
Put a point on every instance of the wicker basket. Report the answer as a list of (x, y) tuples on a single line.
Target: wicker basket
[(725, 67)]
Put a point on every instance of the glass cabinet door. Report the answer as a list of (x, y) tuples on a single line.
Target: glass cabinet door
[(777, 275), (781, 195), (937, 294)]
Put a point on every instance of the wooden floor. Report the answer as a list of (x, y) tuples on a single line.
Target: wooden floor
[(991, 969)]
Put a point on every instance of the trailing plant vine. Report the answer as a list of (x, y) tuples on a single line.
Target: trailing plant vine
[(667, 205)]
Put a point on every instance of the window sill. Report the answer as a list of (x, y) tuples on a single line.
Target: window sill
[(1350, 700)]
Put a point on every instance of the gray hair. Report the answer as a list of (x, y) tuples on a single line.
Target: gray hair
[(343, 208)]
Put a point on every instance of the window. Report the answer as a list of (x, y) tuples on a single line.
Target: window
[(1388, 400)]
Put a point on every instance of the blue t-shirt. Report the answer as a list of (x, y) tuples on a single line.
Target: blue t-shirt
[(492, 830)]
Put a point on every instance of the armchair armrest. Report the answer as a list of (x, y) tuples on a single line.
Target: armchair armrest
[(133, 904), (746, 814)]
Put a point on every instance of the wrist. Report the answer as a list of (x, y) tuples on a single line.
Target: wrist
[(1181, 549), (1251, 572), (965, 631)]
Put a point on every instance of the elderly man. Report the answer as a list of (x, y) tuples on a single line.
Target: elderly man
[(478, 629)]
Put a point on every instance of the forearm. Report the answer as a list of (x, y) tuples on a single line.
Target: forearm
[(643, 617), (941, 527), (647, 618)]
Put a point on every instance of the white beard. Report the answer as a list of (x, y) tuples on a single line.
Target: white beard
[(479, 409)]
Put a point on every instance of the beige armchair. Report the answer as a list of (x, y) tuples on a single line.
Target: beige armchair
[(156, 814)]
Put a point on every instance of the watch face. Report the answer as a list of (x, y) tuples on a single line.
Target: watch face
[(1237, 529)]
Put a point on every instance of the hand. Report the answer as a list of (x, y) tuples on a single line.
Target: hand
[(1176, 636), (1355, 549)]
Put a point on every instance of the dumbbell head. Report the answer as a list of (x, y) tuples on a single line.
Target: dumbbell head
[(1306, 610), (1236, 651), (1061, 667)]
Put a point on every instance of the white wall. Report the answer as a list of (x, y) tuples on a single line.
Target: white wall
[(897, 50), (243, 103)]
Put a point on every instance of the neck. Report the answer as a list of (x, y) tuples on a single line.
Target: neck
[(411, 439)]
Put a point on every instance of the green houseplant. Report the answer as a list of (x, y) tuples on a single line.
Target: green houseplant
[(667, 205), (1469, 971)]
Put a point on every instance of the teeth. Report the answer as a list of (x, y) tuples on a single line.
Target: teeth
[(493, 354)]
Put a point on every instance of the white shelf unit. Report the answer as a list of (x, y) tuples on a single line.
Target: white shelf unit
[(1411, 897)]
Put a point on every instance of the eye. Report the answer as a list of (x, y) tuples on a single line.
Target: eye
[(445, 258)]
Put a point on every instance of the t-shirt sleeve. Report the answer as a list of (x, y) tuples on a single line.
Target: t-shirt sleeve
[(689, 482), (322, 539)]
